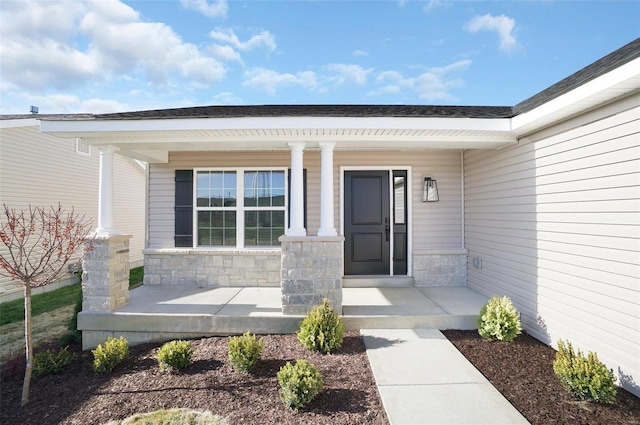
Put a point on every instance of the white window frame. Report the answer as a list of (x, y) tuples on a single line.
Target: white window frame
[(239, 208)]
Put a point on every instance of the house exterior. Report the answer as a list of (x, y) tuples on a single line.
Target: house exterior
[(539, 202), (41, 170)]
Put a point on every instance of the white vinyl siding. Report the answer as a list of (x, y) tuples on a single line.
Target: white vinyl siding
[(41, 170), (436, 225), (556, 222)]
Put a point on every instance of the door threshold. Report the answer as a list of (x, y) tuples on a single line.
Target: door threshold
[(377, 281)]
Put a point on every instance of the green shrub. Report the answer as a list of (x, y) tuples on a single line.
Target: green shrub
[(173, 417), (321, 330), (499, 320), (174, 355), (299, 383), (108, 356), (585, 377), (244, 351), (52, 362)]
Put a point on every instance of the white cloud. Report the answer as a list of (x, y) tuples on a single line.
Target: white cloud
[(456, 66), (228, 44), (434, 84), (215, 9), (343, 74), (102, 106), (269, 80), (394, 76), (202, 71), (385, 91), (360, 53), (226, 98), (70, 103), (66, 44), (432, 4), (225, 53), (227, 36), (502, 25)]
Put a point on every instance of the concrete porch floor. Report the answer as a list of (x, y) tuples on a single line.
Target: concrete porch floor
[(157, 313)]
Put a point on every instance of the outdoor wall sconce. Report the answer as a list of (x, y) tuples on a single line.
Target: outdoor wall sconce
[(430, 190)]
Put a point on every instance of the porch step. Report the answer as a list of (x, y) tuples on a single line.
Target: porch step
[(377, 282)]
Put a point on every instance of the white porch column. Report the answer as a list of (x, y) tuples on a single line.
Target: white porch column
[(105, 190), (296, 220), (327, 227)]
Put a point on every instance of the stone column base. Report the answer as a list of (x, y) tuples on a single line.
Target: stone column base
[(312, 269), (105, 274)]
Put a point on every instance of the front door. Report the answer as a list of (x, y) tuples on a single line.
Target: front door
[(369, 225)]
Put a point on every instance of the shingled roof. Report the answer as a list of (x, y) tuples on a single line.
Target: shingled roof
[(600, 67), (413, 111)]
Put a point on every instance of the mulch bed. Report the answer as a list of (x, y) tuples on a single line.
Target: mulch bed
[(80, 396), (523, 372)]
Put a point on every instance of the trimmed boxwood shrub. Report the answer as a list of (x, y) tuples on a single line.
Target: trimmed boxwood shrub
[(174, 355), (106, 357), (244, 351), (499, 320), (322, 329), (299, 383), (585, 377)]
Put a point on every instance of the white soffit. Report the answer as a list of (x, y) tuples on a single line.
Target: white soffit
[(151, 140), (619, 82)]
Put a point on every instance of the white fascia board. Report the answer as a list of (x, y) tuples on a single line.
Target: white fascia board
[(89, 128), (577, 99), (22, 122)]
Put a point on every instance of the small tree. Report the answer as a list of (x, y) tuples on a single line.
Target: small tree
[(39, 243)]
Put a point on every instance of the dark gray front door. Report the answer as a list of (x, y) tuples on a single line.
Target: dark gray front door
[(367, 223)]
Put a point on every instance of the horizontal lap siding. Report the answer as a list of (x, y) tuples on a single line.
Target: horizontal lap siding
[(129, 202), (436, 225), (41, 170), (556, 221)]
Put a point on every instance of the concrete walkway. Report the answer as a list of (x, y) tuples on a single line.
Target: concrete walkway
[(423, 379)]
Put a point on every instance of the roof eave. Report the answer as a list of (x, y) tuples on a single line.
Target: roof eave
[(615, 84)]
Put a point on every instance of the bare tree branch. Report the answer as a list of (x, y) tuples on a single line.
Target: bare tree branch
[(40, 242)]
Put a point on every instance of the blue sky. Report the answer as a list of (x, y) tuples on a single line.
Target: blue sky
[(69, 56)]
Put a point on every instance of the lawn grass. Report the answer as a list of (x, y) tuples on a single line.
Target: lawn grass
[(135, 277), (13, 311)]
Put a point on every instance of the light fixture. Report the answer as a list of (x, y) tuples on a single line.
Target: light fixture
[(430, 190)]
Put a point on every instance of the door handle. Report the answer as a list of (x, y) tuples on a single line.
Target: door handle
[(387, 228)]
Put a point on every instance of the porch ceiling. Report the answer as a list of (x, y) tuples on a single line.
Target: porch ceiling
[(152, 140)]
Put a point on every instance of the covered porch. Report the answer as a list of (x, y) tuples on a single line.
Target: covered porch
[(158, 313), (324, 157)]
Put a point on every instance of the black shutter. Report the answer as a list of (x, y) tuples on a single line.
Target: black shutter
[(184, 208), (304, 194)]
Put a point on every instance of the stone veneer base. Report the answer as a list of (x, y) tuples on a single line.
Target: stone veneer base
[(211, 268), (440, 267)]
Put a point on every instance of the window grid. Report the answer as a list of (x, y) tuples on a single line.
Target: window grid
[(237, 208)]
